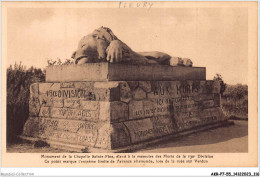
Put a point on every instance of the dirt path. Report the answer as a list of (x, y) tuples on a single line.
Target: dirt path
[(220, 140)]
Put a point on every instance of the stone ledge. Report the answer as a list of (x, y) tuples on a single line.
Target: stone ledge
[(122, 72), (133, 147)]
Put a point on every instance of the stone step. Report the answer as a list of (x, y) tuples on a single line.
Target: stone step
[(133, 147)]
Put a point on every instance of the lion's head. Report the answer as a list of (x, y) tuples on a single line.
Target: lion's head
[(103, 46), (92, 48)]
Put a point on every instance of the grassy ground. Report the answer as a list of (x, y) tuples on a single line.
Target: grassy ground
[(235, 108), (234, 101), (224, 139)]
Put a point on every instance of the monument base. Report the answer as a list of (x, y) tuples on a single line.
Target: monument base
[(113, 115), (131, 148)]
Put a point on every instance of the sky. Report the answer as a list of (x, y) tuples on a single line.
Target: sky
[(215, 38)]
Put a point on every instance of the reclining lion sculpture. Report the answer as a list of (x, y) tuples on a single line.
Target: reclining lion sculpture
[(103, 46)]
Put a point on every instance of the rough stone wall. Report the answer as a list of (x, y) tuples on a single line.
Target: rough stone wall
[(113, 114)]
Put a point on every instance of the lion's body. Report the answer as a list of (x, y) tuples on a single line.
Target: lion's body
[(159, 57), (102, 45)]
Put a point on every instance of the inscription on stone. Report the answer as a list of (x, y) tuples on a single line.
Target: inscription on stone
[(68, 113), (79, 132), (149, 128), (115, 114), (67, 125), (153, 127), (88, 139), (69, 93)]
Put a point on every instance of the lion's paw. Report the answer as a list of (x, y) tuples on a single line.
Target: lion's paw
[(177, 61), (116, 51), (187, 62)]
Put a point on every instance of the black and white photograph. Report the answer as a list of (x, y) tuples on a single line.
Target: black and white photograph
[(130, 79)]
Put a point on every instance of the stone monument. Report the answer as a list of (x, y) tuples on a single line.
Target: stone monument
[(110, 107)]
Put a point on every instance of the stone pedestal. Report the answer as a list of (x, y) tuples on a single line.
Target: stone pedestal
[(113, 112), (119, 72)]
